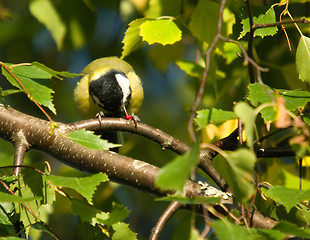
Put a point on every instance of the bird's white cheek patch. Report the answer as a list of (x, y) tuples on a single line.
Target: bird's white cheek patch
[(124, 83)]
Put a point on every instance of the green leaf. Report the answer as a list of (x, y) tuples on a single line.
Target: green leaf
[(174, 174), (163, 31), (237, 170), (6, 197), (31, 184), (86, 186), (117, 214), (215, 116), (303, 59), (204, 20), (247, 116), (292, 229), (47, 14), (90, 140), (132, 39), (287, 196), (259, 94), (122, 231), (88, 213), (241, 174), (294, 99), (37, 84), (191, 68), (229, 231), (263, 18), (7, 223)]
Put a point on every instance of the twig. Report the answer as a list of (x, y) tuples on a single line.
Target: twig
[(247, 58), (172, 208), (279, 23), (21, 146), (250, 41), (7, 68), (205, 73), (300, 173)]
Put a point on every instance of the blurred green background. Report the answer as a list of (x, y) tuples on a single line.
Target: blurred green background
[(93, 29)]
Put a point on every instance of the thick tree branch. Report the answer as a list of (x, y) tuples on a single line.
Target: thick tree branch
[(121, 169)]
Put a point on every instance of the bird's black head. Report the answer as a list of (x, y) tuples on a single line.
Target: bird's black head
[(112, 92)]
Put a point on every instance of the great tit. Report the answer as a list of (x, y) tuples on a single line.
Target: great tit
[(108, 85)]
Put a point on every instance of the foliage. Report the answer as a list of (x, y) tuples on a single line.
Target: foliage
[(213, 68)]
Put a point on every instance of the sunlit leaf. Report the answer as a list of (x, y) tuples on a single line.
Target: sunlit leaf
[(303, 59), (132, 39), (122, 231), (263, 18), (163, 31)]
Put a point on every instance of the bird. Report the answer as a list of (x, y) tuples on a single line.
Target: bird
[(109, 85)]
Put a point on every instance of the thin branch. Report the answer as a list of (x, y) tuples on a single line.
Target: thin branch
[(172, 208), (205, 73), (7, 68), (48, 229), (250, 41), (247, 58), (21, 146), (279, 23)]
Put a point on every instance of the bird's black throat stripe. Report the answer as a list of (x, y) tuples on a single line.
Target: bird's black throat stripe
[(108, 94)]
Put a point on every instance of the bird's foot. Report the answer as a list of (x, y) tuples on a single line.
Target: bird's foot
[(134, 118)]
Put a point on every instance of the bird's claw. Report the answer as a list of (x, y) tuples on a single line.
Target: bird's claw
[(134, 118)]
